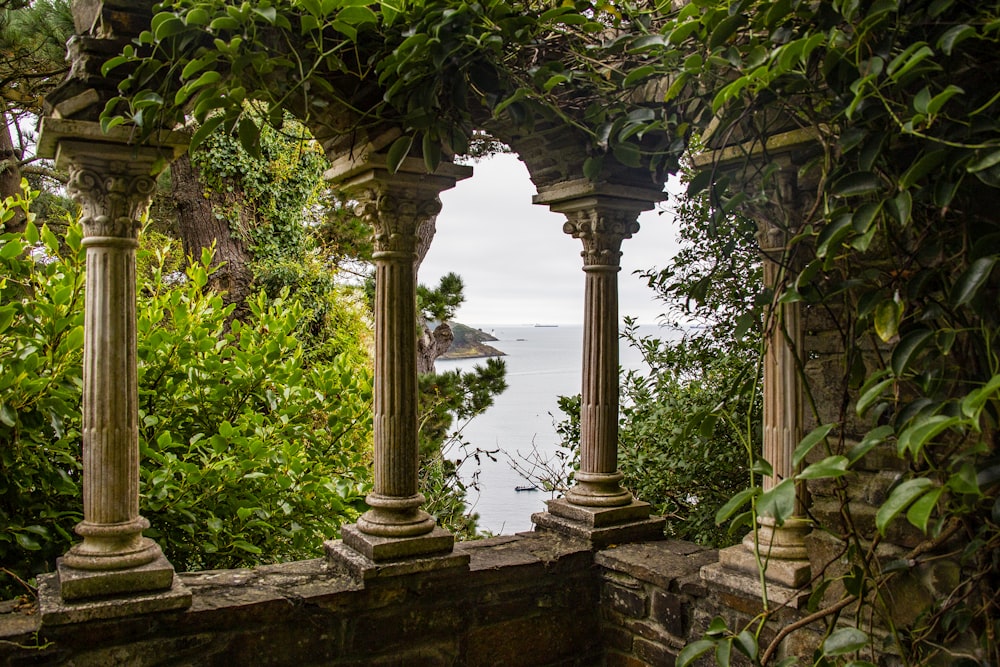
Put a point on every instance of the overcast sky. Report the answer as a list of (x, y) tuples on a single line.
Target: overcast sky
[(518, 266)]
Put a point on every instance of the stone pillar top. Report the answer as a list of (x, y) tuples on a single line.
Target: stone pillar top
[(53, 131), (583, 193)]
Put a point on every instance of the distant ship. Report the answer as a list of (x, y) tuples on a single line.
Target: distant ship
[(547, 325)]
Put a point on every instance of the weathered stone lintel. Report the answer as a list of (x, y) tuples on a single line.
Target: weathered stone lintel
[(584, 193), (53, 130), (56, 609)]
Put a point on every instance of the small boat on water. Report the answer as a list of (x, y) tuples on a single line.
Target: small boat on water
[(527, 487)]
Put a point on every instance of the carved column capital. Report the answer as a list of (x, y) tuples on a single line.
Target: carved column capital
[(112, 183), (396, 214), (602, 231)]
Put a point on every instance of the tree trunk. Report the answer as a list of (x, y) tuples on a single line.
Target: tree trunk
[(431, 343), (10, 174), (198, 227)]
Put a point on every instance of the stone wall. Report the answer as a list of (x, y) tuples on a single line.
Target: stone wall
[(530, 599), (651, 600)]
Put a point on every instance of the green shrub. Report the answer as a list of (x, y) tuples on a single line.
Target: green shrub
[(252, 455), (41, 338), (249, 455)]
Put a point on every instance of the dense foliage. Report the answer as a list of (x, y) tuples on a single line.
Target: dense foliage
[(892, 240)]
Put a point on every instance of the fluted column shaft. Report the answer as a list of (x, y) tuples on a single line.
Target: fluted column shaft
[(602, 226), (783, 398), (396, 212), (113, 186)]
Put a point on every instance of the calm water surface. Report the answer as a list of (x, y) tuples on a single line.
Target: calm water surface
[(542, 364)]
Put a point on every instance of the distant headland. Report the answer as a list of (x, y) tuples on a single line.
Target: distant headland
[(470, 343)]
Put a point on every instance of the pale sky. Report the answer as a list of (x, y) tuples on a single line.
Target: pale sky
[(518, 266)]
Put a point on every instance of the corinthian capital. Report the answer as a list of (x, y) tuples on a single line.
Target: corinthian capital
[(113, 184), (602, 232), (396, 215)]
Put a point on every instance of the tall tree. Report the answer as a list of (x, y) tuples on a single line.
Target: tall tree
[(32, 44)]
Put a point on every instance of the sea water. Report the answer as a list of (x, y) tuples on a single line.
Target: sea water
[(543, 363)]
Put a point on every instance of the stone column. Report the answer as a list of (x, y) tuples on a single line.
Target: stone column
[(113, 184), (396, 205), (597, 506), (781, 549), (782, 427), (602, 230)]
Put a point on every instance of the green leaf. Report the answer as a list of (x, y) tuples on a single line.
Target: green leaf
[(900, 499), (246, 546), (977, 398), (857, 183), (778, 502), (626, 153), (844, 640), (938, 101), (899, 207), (431, 149), (266, 13), (920, 511), (693, 651), (398, 151), (6, 317), (11, 249), (909, 345), (831, 467), (735, 503), (636, 75), (871, 439), (954, 36), (888, 315), (984, 160), (8, 415), (917, 435), (814, 437), (724, 652), (722, 32), (964, 481), (832, 235), (249, 134), (971, 280), (921, 167), (592, 167), (27, 541), (209, 126), (356, 16), (908, 59), (746, 644)]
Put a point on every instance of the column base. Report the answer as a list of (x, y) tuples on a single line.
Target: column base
[(599, 489), (737, 571), (367, 557), (395, 517), (71, 595), (601, 526)]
